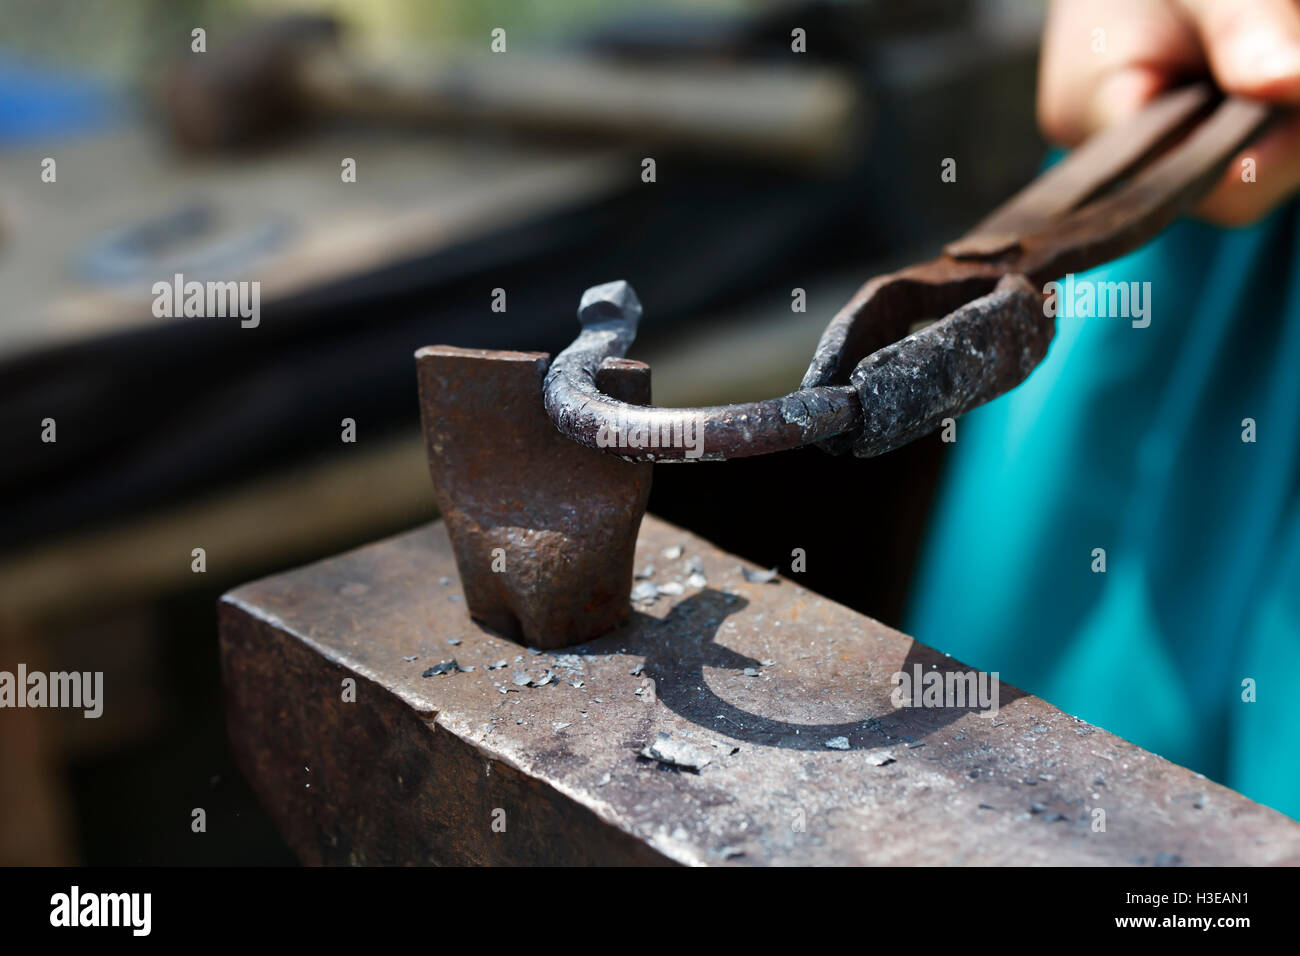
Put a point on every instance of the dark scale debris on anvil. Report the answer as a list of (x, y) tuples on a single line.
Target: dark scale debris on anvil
[(658, 729)]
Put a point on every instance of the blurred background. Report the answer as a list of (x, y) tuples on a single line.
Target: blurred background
[(475, 171)]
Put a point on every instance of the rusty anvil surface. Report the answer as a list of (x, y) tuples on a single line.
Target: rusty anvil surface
[(415, 769)]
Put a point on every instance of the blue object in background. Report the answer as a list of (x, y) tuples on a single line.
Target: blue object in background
[(1130, 439), (37, 103)]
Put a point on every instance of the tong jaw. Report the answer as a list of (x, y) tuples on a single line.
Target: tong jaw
[(969, 357)]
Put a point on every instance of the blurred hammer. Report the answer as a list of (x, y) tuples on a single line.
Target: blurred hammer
[(292, 68)]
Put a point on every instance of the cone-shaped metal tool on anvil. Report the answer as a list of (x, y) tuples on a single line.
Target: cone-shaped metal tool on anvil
[(544, 529)]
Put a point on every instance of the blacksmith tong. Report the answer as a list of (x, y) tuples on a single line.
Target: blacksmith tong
[(872, 387)]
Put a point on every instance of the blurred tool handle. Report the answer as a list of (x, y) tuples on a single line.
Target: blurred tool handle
[(260, 84), (782, 114)]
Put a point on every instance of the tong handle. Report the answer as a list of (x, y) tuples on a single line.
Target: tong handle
[(1141, 207), (1088, 170), (1161, 162)]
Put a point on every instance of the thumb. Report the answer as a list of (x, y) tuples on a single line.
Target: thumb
[(1253, 45)]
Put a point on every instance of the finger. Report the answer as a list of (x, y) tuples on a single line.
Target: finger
[(1253, 47), (1247, 191), (1104, 59), (1120, 94)]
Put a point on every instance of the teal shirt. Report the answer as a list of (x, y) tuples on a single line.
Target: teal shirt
[(1131, 440)]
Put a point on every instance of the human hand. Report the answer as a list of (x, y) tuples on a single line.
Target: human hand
[(1102, 60)]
